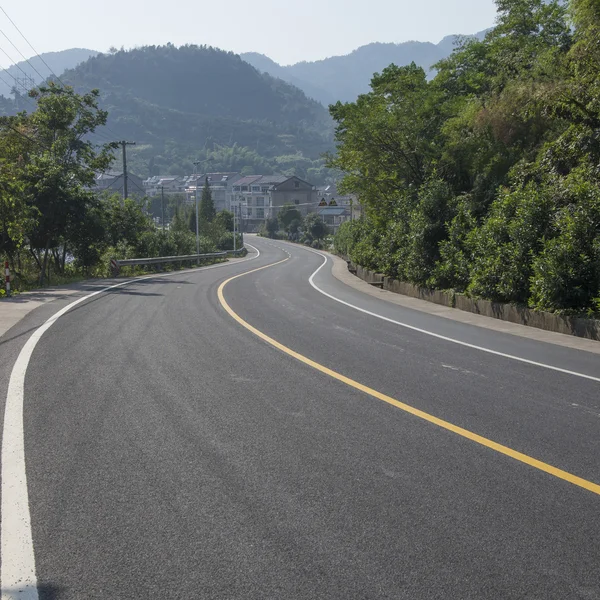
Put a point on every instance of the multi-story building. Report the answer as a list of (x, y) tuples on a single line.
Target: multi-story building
[(221, 187), (261, 196), (169, 184)]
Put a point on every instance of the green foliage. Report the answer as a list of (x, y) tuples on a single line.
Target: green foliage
[(289, 214), (271, 227), (207, 210), (507, 242), (244, 131), (52, 225), (315, 227), (566, 273), (225, 220), (485, 179), (386, 139), (50, 183)]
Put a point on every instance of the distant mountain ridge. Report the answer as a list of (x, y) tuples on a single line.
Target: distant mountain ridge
[(57, 61), (345, 77)]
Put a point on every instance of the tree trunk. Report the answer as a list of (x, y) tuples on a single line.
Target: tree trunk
[(44, 266), (35, 257), (56, 258), (64, 259)]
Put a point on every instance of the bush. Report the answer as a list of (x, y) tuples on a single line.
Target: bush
[(566, 274), (508, 241)]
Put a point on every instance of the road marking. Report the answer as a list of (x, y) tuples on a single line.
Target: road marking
[(17, 574), (465, 433), (431, 333)]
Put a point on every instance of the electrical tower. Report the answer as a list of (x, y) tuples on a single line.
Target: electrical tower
[(24, 84)]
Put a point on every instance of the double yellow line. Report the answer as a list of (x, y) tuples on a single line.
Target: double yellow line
[(465, 433)]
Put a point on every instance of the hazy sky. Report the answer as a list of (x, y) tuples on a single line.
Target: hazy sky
[(286, 31)]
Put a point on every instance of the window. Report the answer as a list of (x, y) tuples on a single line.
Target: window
[(260, 201), (249, 201), (236, 188), (264, 189), (244, 188), (296, 184), (260, 213), (249, 212), (256, 188), (296, 201)]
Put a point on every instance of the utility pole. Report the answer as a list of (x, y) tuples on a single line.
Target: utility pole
[(124, 145), (162, 205), (196, 163), (234, 232)]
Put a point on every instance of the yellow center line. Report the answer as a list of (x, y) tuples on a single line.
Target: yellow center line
[(465, 433)]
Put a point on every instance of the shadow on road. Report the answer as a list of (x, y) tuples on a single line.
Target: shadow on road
[(50, 294), (126, 290), (47, 591)]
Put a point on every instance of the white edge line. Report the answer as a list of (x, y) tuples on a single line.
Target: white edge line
[(431, 333), (17, 575)]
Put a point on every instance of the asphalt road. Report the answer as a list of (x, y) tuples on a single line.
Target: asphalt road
[(173, 453)]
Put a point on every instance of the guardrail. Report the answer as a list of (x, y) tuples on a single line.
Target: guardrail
[(160, 260)]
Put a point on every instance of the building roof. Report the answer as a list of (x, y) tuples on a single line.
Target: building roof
[(248, 180), (108, 175), (214, 177), (268, 180), (272, 179)]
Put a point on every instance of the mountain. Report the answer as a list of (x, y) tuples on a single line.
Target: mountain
[(57, 61), (267, 65), (345, 77), (180, 101)]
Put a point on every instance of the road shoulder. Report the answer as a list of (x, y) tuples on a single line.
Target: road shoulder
[(340, 272)]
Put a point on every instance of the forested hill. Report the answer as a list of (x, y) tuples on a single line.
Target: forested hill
[(193, 96)]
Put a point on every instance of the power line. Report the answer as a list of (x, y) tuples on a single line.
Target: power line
[(138, 187), (16, 86), (25, 136), (29, 43), (12, 60), (22, 55), (5, 83), (38, 55)]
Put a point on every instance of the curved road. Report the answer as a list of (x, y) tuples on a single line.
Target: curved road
[(304, 448)]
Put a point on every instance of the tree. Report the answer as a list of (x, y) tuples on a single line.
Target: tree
[(60, 172), (17, 214), (485, 179), (207, 207), (272, 227), (224, 219), (179, 222), (191, 219), (315, 226), (287, 214), (294, 226)]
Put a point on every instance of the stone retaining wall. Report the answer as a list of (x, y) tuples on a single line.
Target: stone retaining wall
[(581, 327)]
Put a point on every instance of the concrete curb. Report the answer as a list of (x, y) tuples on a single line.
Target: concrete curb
[(521, 315)]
